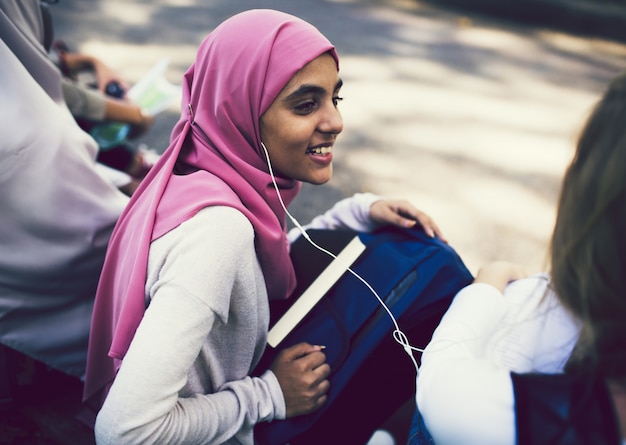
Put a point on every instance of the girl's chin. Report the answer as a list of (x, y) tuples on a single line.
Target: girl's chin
[(318, 182), (319, 177)]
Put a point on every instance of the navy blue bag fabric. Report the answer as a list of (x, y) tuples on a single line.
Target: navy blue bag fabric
[(415, 275), (562, 409)]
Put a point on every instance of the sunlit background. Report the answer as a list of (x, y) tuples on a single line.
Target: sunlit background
[(472, 119)]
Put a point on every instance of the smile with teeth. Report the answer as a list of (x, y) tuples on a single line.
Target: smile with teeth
[(320, 151)]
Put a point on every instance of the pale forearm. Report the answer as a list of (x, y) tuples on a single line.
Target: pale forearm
[(120, 111)]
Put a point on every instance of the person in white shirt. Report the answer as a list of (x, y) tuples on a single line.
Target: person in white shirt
[(570, 322)]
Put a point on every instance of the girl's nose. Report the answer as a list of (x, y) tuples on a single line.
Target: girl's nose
[(332, 121)]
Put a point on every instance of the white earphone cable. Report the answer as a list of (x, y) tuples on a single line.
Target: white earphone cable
[(398, 335)]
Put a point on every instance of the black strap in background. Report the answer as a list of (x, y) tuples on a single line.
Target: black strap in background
[(561, 409)]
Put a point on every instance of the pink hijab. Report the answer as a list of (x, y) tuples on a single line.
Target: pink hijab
[(239, 70)]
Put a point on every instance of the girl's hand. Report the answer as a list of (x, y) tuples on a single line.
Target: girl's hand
[(402, 213), (499, 274), (302, 372), (105, 75)]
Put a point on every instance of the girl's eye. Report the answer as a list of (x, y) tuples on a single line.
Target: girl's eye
[(305, 107), (311, 105)]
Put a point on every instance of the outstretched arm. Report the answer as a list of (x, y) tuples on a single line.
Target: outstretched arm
[(364, 212), (401, 213), (75, 62), (499, 274)]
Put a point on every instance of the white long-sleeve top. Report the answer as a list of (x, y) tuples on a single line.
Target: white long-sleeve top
[(464, 389), (185, 378), (351, 214)]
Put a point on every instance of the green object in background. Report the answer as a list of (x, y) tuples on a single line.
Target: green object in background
[(110, 135)]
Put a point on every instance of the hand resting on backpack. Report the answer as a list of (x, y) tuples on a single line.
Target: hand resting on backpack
[(402, 213)]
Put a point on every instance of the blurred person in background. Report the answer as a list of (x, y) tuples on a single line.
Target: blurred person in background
[(96, 96), (57, 206)]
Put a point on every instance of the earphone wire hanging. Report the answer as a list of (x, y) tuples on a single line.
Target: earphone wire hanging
[(398, 335)]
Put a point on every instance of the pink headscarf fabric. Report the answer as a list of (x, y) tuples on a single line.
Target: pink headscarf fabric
[(214, 158)]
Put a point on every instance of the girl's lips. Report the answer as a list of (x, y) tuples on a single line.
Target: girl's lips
[(320, 150), (322, 159)]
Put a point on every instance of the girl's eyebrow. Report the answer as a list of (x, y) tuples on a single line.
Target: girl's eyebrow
[(306, 89)]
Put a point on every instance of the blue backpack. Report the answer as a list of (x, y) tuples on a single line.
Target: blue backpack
[(564, 409), (415, 275)]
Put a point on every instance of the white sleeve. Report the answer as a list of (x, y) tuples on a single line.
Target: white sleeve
[(462, 397), (116, 177), (350, 213), (144, 405)]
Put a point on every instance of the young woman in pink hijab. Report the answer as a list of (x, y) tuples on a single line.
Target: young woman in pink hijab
[(182, 310)]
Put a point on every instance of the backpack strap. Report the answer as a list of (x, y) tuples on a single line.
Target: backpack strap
[(561, 409)]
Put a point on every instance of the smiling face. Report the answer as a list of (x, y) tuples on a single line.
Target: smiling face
[(302, 124)]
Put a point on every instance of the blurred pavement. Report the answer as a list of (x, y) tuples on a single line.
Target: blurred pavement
[(592, 18), (471, 118)]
